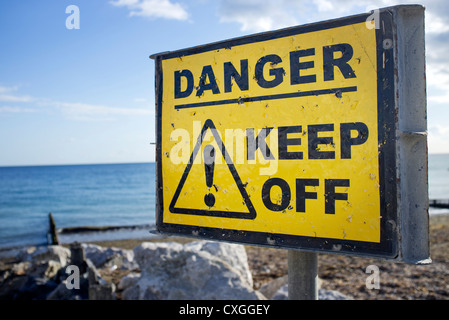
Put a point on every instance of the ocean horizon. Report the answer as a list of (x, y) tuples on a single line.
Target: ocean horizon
[(118, 195)]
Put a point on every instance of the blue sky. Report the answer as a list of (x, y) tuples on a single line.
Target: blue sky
[(86, 95)]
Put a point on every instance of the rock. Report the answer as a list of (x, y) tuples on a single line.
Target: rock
[(10, 288), (4, 274), (282, 294), (197, 270), (233, 254), (61, 292), (46, 253), (21, 268), (36, 276), (36, 289), (30, 280), (200, 270), (44, 269), (104, 291), (41, 272), (269, 289), (106, 257), (90, 286), (99, 289), (332, 295), (93, 275), (129, 280), (26, 288)]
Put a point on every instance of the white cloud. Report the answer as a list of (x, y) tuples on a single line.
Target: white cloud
[(343, 7), (153, 8), (438, 75), (125, 2), (72, 110), (7, 95), (435, 24), (90, 112), (13, 98), (254, 15), (8, 89), (258, 15), (439, 98), (9, 109)]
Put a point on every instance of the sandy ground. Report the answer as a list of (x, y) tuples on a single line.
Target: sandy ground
[(347, 274)]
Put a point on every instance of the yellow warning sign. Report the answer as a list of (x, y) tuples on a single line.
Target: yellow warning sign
[(273, 135)]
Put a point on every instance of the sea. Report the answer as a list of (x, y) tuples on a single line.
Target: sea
[(116, 201), (99, 195)]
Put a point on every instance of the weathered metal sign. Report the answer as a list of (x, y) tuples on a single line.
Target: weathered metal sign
[(290, 138)]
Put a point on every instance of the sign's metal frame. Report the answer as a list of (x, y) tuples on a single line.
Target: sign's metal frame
[(401, 135)]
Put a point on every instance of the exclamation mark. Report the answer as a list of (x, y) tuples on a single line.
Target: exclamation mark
[(209, 165)]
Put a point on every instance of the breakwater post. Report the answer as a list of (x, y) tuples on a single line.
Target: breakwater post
[(439, 203), (52, 234)]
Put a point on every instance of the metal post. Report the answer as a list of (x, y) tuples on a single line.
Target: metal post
[(302, 275)]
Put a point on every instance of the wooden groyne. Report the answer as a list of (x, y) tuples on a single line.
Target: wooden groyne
[(52, 233), (439, 203)]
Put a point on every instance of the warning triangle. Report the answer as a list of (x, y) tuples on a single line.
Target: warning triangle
[(228, 201)]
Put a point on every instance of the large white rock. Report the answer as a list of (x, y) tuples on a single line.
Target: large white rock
[(42, 253), (48, 253), (129, 280), (198, 270), (233, 254), (101, 256)]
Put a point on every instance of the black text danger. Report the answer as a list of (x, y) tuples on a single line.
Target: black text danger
[(334, 57)]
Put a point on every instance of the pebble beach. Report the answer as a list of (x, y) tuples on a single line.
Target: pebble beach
[(347, 274)]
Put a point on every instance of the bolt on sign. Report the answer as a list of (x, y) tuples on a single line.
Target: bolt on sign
[(311, 137)]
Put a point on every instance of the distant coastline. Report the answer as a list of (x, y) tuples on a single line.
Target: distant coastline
[(82, 229), (107, 233)]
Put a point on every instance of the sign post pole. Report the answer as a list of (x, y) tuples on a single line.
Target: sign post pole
[(302, 275)]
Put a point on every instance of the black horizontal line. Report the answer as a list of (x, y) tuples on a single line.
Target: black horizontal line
[(215, 213), (267, 97)]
